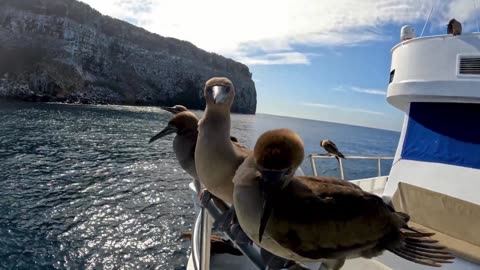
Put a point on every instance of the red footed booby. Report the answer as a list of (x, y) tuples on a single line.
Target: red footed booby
[(331, 148), (454, 27), (319, 218), (216, 156), (185, 125)]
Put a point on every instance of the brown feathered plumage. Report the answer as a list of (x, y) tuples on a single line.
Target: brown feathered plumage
[(216, 156), (317, 218), (454, 27), (331, 148)]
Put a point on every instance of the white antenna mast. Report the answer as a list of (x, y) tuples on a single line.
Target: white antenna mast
[(428, 18)]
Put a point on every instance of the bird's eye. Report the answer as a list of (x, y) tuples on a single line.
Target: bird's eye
[(210, 89), (227, 89)]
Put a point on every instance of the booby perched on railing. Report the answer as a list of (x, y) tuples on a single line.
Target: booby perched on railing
[(317, 218), (185, 125), (331, 148), (216, 156)]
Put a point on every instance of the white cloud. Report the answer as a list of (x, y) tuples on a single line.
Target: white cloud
[(264, 32), (368, 91), (330, 106), (321, 105), (275, 59), (342, 88)]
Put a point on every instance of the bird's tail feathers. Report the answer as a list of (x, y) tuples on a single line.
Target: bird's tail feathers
[(418, 247)]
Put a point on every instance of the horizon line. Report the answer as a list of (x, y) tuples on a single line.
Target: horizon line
[(348, 124)]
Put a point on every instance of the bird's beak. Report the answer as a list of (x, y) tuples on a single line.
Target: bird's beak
[(220, 93), (272, 182), (167, 130), (170, 109)]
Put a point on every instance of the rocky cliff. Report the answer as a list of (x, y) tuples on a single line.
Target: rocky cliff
[(63, 50)]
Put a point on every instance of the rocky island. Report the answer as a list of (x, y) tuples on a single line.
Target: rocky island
[(63, 50)]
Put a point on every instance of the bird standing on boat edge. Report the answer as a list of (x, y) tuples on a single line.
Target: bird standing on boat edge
[(454, 27), (185, 125), (319, 218), (216, 156), (331, 148)]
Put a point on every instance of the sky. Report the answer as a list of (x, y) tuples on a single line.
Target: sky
[(315, 59)]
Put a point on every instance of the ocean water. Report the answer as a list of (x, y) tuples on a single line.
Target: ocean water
[(82, 189)]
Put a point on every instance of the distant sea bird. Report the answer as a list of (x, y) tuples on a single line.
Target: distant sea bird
[(306, 218), (454, 27), (331, 148)]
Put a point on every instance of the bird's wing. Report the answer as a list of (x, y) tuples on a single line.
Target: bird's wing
[(332, 144), (323, 217), (332, 148)]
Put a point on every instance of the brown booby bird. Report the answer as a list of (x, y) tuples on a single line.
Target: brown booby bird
[(331, 148), (185, 125), (216, 156), (454, 27), (319, 218)]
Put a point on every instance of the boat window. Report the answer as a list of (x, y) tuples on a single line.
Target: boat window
[(443, 132), (392, 74)]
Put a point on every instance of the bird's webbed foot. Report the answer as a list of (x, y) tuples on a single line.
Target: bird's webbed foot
[(228, 221), (239, 236), (205, 197)]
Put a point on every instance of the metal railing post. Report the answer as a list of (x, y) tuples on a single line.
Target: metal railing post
[(340, 165), (314, 166), (379, 167), (205, 241), (201, 251)]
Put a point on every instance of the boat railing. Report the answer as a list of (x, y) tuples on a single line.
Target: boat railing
[(379, 159), (202, 232)]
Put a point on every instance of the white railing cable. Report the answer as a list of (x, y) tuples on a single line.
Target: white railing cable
[(340, 163)]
